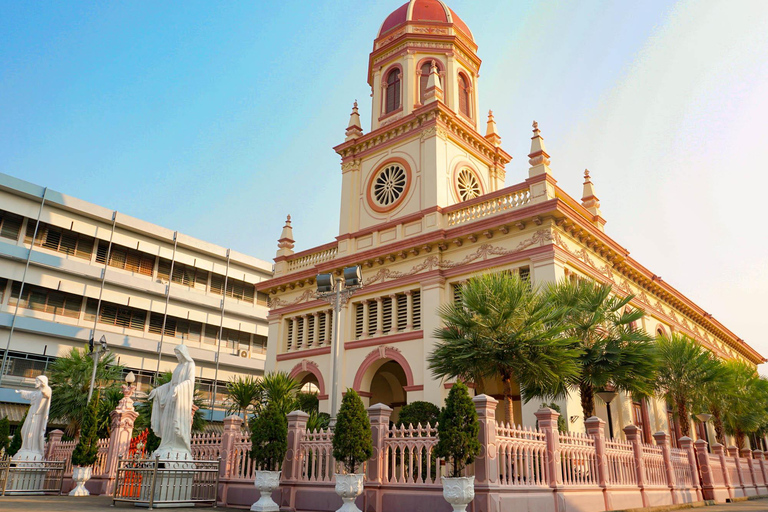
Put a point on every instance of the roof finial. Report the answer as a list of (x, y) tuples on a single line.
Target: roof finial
[(354, 128), (285, 243), (490, 131), (589, 200), (434, 90), (538, 157)]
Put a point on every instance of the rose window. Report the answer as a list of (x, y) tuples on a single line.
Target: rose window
[(389, 185), (467, 184)]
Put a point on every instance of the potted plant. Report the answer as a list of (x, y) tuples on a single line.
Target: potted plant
[(269, 442), (86, 450), (457, 432), (352, 446)]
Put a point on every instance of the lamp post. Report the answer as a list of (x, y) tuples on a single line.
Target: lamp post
[(337, 292), (103, 349), (704, 417), (608, 397)]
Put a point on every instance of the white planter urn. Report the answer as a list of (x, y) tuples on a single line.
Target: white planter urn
[(80, 474), (459, 492), (266, 482), (349, 487)]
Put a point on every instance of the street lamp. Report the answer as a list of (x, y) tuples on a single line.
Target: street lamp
[(704, 417), (103, 349), (336, 291), (608, 397)]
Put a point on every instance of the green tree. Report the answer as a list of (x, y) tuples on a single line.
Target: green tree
[(503, 329), (417, 413), (457, 430), (613, 351), (15, 445), (5, 435), (352, 443), (70, 379), (562, 425), (685, 371), (746, 397), (87, 447), (242, 392), (269, 438), (110, 397), (278, 389), (715, 399)]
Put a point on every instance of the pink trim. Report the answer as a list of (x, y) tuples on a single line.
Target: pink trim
[(383, 340), (303, 353), (464, 164), (385, 86), (408, 179), (389, 353), (419, 387), (310, 367)]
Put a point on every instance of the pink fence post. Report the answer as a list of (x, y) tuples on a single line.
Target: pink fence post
[(487, 462), (760, 456), (746, 454), (707, 478), (123, 418), (734, 452), (54, 440), (297, 427), (596, 429), (686, 443), (378, 415), (662, 439), (634, 435), (232, 430), (548, 425), (718, 450)]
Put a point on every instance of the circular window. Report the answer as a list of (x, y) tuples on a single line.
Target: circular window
[(389, 185), (467, 185)]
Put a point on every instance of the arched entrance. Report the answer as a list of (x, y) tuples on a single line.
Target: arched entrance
[(385, 377), (311, 379)]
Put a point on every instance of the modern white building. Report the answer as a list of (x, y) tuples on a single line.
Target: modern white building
[(70, 270)]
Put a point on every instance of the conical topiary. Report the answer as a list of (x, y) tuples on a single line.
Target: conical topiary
[(87, 447), (352, 444), (5, 433), (457, 430), (16, 441), (269, 439)]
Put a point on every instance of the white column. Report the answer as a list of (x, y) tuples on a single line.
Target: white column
[(366, 309), (409, 311), (294, 334), (393, 298), (306, 340), (379, 316)]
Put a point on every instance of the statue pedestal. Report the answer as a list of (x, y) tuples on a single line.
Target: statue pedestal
[(27, 477), (173, 486)]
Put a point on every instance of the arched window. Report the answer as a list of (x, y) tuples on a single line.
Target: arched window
[(393, 91), (426, 69), (464, 95)]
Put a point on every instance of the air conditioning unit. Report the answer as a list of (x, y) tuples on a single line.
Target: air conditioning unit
[(243, 353)]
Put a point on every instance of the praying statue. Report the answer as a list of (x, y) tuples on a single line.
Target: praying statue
[(33, 430), (172, 409)]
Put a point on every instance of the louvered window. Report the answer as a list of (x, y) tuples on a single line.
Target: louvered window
[(311, 334), (126, 259), (259, 344), (386, 310), (393, 91), (373, 307), (524, 273), (457, 293), (60, 240), (10, 225), (416, 310), (402, 312), (464, 96), (236, 288), (321, 328), (300, 342), (289, 330), (217, 284), (359, 310), (42, 299), (117, 315), (262, 299), (210, 334)]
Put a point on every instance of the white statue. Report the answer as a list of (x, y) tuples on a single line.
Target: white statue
[(33, 430), (172, 409)]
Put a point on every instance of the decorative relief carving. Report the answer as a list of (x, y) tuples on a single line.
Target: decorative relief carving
[(277, 302)]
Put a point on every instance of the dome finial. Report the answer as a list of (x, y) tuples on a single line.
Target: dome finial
[(354, 128)]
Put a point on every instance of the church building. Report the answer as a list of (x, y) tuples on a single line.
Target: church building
[(424, 208)]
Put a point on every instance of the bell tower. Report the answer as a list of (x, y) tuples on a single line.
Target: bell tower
[(424, 151)]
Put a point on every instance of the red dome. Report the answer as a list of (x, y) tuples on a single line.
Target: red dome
[(423, 10)]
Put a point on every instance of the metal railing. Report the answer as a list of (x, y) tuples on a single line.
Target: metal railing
[(158, 481), (24, 477)]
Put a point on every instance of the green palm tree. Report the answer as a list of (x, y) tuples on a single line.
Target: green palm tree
[(278, 389), (242, 392), (70, 379), (747, 394), (715, 400), (685, 372), (503, 329), (613, 352)]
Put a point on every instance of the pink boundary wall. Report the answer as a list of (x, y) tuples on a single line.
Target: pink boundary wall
[(519, 468)]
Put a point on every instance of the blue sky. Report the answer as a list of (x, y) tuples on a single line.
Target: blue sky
[(218, 118)]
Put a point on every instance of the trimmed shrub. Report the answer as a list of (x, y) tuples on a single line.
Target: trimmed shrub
[(269, 439), (418, 412), (87, 447), (5, 435), (352, 443), (458, 429)]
